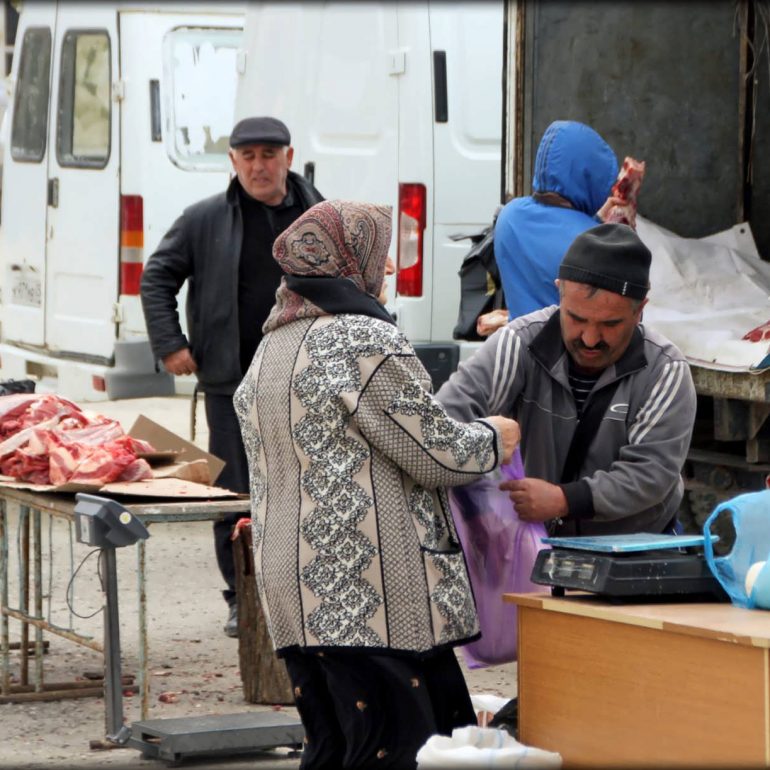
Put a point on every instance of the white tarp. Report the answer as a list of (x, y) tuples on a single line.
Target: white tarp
[(707, 294)]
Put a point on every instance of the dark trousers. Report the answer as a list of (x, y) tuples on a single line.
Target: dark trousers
[(366, 710), (225, 443)]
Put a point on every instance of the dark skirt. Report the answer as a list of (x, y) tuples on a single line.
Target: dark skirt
[(370, 710)]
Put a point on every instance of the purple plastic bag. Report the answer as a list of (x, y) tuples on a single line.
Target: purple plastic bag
[(500, 552)]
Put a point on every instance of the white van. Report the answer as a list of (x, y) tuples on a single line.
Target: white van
[(397, 103), (119, 119)]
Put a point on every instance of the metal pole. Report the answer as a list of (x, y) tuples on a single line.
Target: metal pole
[(116, 731), (5, 670), (143, 677), (49, 592), (38, 597), (24, 592), (70, 605)]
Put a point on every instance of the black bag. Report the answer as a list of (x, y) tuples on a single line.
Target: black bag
[(7, 387), (480, 286)]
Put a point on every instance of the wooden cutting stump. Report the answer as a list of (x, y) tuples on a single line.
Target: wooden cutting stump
[(263, 674)]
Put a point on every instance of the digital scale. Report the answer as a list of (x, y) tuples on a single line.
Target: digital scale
[(105, 524), (629, 566)]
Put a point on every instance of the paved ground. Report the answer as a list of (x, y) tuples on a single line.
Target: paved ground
[(188, 655)]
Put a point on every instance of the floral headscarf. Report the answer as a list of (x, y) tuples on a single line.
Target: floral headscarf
[(333, 239)]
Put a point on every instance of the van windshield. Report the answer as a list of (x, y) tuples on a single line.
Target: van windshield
[(200, 99)]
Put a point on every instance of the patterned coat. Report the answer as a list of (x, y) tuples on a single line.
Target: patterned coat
[(354, 545)]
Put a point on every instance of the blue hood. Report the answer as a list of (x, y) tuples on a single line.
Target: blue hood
[(575, 162)]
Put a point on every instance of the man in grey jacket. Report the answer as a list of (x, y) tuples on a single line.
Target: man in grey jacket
[(606, 405), (223, 247)]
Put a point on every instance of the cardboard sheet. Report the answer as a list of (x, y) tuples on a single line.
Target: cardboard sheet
[(176, 488), (180, 470), (166, 487), (165, 441)]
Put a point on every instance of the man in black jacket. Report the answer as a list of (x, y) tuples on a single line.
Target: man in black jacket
[(222, 246)]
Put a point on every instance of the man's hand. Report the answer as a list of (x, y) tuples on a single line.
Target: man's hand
[(536, 500), (611, 202), (180, 362), (490, 322)]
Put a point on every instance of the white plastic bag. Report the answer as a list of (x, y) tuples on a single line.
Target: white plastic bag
[(482, 747), (486, 705)]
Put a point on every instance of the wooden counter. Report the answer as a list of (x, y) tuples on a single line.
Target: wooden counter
[(644, 684)]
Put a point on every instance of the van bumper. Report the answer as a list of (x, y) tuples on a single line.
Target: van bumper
[(132, 376)]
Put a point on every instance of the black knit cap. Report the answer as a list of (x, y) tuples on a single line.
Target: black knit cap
[(611, 257), (260, 131)]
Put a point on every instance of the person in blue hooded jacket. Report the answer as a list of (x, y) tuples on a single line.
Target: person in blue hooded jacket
[(574, 173)]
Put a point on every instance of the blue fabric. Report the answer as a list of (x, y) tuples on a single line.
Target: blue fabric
[(531, 238)]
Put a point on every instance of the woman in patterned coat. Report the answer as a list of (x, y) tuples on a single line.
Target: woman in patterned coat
[(359, 569)]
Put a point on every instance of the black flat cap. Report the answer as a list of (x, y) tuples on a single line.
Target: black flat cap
[(611, 257), (260, 131)]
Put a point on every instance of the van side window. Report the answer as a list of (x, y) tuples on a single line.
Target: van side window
[(83, 130), (199, 95), (30, 110)]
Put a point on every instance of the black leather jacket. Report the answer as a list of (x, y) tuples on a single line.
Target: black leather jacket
[(203, 247)]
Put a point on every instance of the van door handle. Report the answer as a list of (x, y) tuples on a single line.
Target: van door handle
[(440, 103), (156, 134), (53, 193)]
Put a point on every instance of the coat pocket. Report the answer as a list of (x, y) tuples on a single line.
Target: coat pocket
[(451, 601)]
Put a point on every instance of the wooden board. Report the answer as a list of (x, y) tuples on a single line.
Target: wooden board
[(612, 694), (263, 674), (721, 621)]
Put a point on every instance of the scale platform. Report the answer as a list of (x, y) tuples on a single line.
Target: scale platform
[(107, 525), (629, 566), (172, 740)]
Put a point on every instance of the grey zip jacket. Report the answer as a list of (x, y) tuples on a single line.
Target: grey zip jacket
[(630, 477)]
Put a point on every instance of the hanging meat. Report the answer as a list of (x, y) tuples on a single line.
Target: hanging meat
[(620, 207)]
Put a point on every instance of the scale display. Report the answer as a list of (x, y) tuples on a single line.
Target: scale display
[(638, 541)]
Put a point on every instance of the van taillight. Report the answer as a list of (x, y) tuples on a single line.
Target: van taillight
[(131, 243), (411, 227)]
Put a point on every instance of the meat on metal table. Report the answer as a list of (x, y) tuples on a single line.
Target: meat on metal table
[(33, 506)]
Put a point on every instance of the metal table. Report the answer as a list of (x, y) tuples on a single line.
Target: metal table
[(32, 507)]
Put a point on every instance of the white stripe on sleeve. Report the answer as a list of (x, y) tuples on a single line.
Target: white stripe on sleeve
[(504, 369), (664, 392)]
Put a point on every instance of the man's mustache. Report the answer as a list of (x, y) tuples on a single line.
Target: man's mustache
[(580, 345)]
